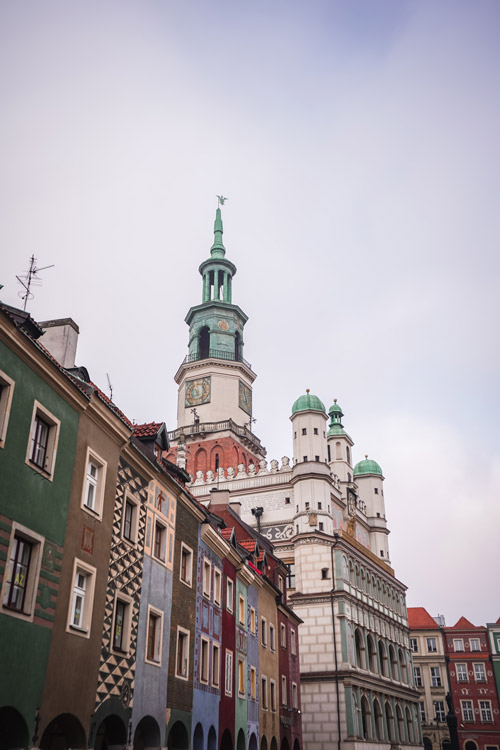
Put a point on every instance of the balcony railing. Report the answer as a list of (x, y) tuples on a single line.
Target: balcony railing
[(205, 427), (216, 354)]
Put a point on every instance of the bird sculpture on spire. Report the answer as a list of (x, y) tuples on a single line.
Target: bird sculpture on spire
[(222, 200)]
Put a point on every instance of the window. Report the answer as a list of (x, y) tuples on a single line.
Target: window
[(283, 635), (241, 610), (414, 645), (22, 569), (290, 580), (252, 621), (253, 683), (230, 595), (155, 636), (324, 574), (295, 696), (316, 431), (462, 673), (287, 501), (467, 710), (130, 518), (304, 431), (376, 490), (431, 645), (217, 586), (479, 673), (204, 660), (439, 713), (207, 577), (263, 633), (241, 678), (6, 393), (263, 692), (321, 526), (485, 710), (316, 458), (307, 506), (435, 677), (458, 644), (281, 584), (284, 696), (93, 490), (423, 717), (160, 540), (182, 660), (80, 612), (215, 665), (186, 571), (475, 644), (121, 625), (229, 673), (293, 642), (272, 686), (44, 436), (417, 673), (272, 638), (305, 459)]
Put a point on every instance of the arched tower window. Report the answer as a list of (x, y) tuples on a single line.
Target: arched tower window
[(237, 354), (204, 343)]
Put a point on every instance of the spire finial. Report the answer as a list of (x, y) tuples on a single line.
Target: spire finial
[(366, 455), (334, 400), (218, 250), (307, 390)]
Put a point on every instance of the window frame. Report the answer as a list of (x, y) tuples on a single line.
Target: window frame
[(284, 691), (482, 669), (155, 660), (90, 573), (485, 708), (215, 665), (204, 660), (130, 500), (160, 525), (272, 637), (230, 596), (456, 645), (228, 676), (36, 541), (439, 705), (241, 677), (272, 694), (186, 636), (127, 602), (253, 621), (435, 674), (467, 711), (474, 641), (263, 632), (293, 642), (253, 683), (7, 386), (41, 413), (206, 584), (217, 586), (241, 611), (461, 672), (295, 696), (283, 636), (186, 553), (101, 464), (432, 642), (414, 645), (417, 676), (422, 712), (263, 692)]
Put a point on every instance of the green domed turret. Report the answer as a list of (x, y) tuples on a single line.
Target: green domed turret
[(367, 466), (335, 412), (308, 402)]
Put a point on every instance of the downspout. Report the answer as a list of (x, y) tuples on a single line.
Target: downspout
[(336, 537)]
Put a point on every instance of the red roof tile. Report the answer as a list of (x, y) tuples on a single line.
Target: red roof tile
[(227, 533), (248, 544), (420, 619), (148, 429), (463, 624)]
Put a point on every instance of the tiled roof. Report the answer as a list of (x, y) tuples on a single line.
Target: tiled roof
[(248, 544), (420, 619), (149, 429), (227, 533), (463, 624)]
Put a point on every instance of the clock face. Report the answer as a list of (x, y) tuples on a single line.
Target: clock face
[(197, 391), (245, 398)]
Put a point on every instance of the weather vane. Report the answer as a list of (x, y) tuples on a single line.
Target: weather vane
[(31, 279), (221, 200)]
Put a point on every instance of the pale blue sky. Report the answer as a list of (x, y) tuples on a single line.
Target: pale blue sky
[(358, 144)]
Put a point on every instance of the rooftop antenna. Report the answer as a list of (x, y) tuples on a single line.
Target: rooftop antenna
[(32, 279), (110, 388)]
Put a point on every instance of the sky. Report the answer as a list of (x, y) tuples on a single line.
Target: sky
[(357, 142)]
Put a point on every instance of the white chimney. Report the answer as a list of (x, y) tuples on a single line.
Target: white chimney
[(60, 337)]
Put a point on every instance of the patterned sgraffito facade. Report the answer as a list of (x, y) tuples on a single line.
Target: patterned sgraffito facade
[(117, 668)]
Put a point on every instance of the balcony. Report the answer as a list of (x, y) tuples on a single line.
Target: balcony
[(216, 354)]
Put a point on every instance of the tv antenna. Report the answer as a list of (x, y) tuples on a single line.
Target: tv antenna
[(110, 388), (30, 279)]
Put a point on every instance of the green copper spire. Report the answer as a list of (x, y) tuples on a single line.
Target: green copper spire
[(218, 250)]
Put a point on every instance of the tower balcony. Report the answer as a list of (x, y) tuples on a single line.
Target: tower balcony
[(215, 354), (200, 430)]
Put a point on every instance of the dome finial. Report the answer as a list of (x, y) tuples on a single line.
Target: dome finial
[(308, 390), (334, 400), (366, 455)]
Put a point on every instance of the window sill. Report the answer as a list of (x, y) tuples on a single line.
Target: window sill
[(93, 513), (78, 631), (153, 662), (186, 583), (39, 470)]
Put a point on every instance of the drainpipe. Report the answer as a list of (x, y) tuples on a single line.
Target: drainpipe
[(336, 537)]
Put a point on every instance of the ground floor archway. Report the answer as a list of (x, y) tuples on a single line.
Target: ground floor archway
[(65, 731), (147, 734), (14, 729), (111, 732), (178, 738)]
